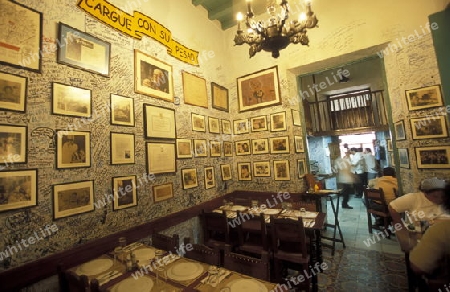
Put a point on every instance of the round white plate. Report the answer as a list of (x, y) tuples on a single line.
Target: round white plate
[(184, 271), (95, 267), (246, 285), (144, 255), (141, 284), (238, 208)]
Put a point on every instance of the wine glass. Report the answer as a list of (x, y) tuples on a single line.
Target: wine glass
[(212, 275)]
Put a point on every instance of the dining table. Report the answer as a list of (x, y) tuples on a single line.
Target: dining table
[(175, 273)]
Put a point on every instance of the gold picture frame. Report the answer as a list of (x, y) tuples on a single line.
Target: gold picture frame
[(73, 149), (425, 97), (159, 122), (225, 170), (244, 171), (18, 189), (184, 148), (433, 157), (281, 170), (279, 145), (194, 90), (189, 178), (161, 158), (122, 110), (14, 144), (13, 92), (261, 169), (71, 101), (122, 148), (210, 177), (220, 99), (73, 198), (162, 192), (430, 127)]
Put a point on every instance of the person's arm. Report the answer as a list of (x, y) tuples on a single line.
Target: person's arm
[(397, 221)]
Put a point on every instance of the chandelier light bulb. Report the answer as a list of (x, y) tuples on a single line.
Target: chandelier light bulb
[(302, 17), (239, 16)]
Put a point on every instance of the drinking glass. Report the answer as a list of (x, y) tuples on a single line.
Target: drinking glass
[(122, 242), (255, 204), (302, 212), (212, 275)]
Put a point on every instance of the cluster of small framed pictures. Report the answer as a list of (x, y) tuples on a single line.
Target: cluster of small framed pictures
[(432, 126)]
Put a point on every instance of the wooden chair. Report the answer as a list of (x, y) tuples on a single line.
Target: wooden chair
[(376, 205), (256, 268), (69, 281), (95, 286), (242, 201), (252, 234), (202, 253), (164, 242), (289, 248), (215, 229), (310, 180), (307, 201)]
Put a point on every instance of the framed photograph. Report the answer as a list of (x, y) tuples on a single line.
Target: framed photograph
[(298, 142), (258, 123), (71, 101), (198, 123), (244, 171), (260, 146), (261, 168), (228, 149), (210, 177), (278, 122), (429, 127), (162, 192), (279, 145), (225, 170), (122, 148), (296, 120), (403, 157), (213, 124), (159, 122), (189, 178), (200, 148), (215, 149), (219, 97), (281, 170), (18, 189), (259, 89), (125, 192), (73, 149), (392, 157), (242, 147), (425, 97), (13, 92), (22, 38), (226, 127), (194, 90), (13, 142), (160, 158), (83, 51), (389, 145), (73, 198), (152, 77), (122, 110), (184, 148), (240, 126), (433, 157), (400, 133), (301, 167)]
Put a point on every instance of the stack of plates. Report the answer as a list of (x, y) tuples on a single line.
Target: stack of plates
[(246, 285), (185, 271), (95, 267), (141, 284)]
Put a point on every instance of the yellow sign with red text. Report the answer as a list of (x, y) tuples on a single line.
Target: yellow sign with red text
[(136, 26)]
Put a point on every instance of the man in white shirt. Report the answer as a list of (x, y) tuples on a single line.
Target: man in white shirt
[(345, 178), (370, 166), (358, 169)]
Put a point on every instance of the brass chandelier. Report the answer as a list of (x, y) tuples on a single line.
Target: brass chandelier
[(274, 34)]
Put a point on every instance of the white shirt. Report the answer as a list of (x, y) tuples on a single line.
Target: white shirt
[(370, 163), (358, 163), (415, 203)]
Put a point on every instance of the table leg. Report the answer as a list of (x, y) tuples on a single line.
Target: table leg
[(410, 274)]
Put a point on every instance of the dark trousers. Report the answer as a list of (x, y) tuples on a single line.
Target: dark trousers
[(346, 189), (359, 185)]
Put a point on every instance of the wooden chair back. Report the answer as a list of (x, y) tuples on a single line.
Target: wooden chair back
[(75, 282), (252, 230), (242, 201), (256, 268), (310, 180), (376, 195), (164, 242), (202, 253), (215, 227), (95, 286), (307, 201), (288, 236)]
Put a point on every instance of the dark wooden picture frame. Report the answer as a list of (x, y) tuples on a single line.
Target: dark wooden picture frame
[(18, 189), (220, 100), (73, 198), (189, 178), (122, 110), (125, 192), (73, 149), (70, 100), (13, 92), (122, 148)]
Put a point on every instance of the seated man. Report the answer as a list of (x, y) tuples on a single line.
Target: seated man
[(388, 182), (433, 246), (426, 205)]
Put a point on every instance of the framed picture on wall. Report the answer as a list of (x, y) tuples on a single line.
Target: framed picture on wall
[(162, 192), (403, 157), (261, 168), (213, 124), (83, 51), (22, 38), (71, 101), (159, 122), (73, 149), (242, 147), (296, 120), (278, 122), (189, 178), (429, 128), (122, 110), (240, 126), (260, 146), (225, 170), (73, 198), (13, 92), (161, 157), (194, 90), (125, 192), (259, 89), (152, 77), (198, 123), (301, 167), (279, 144), (18, 189), (184, 148), (433, 157), (389, 145), (281, 170), (425, 97), (258, 123), (226, 127), (298, 141), (215, 148), (210, 177), (244, 171), (400, 133), (122, 148), (219, 97), (14, 144), (200, 148), (227, 149)]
